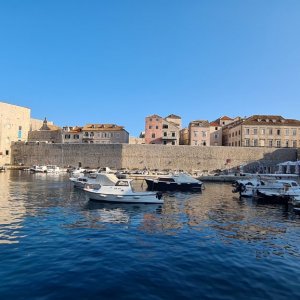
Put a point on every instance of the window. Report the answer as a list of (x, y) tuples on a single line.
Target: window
[(278, 131), (203, 133), (270, 143), (239, 143), (20, 127), (173, 143), (294, 144), (216, 128), (247, 131), (173, 134), (294, 132), (255, 142), (150, 119), (263, 131), (117, 135), (270, 131), (6, 152), (165, 126), (216, 136), (165, 142), (165, 134), (286, 132), (150, 127), (247, 142), (255, 131), (239, 132), (287, 143), (67, 136), (153, 135), (156, 127), (278, 143), (262, 143), (195, 133)]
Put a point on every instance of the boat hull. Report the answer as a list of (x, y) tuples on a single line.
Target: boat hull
[(173, 186), (151, 198)]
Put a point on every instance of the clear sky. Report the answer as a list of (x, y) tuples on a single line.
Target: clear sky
[(118, 61)]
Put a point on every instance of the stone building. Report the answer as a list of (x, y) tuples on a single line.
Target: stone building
[(104, 134), (215, 132), (163, 131), (199, 133), (184, 136), (46, 134), (72, 135), (14, 126), (263, 131)]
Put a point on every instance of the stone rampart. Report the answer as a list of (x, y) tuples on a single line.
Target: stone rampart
[(86, 155), (150, 156)]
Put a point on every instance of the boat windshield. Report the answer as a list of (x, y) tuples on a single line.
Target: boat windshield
[(166, 179)]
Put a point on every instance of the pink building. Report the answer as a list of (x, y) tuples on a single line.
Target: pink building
[(163, 131)]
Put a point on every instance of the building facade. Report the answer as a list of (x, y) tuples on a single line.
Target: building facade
[(104, 134), (72, 135), (199, 133), (184, 136), (215, 132), (263, 131), (14, 126), (163, 131)]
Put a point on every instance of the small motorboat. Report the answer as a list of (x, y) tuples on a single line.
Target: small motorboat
[(94, 179), (122, 192), (38, 169), (174, 182)]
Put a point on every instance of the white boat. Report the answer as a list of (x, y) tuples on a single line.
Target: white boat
[(174, 182), (38, 169), (94, 179), (52, 169), (249, 187), (122, 192)]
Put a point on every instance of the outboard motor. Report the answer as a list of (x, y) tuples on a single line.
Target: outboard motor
[(159, 195)]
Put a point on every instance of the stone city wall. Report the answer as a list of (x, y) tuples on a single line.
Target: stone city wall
[(160, 157)]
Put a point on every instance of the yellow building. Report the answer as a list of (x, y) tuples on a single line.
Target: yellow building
[(14, 126)]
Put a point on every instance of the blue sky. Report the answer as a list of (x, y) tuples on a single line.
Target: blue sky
[(118, 61)]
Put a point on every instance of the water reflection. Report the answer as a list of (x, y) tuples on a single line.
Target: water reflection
[(12, 210), (216, 213)]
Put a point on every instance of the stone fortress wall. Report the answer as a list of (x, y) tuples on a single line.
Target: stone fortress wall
[(161, 157)]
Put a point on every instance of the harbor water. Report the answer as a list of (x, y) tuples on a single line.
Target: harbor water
[(55, 244)]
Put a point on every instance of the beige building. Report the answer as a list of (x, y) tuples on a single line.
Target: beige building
[(104, 134), (136, 140), (184, 136), (14, 126), (263, 131), (215, 132), (72, 135), (46, 134), (199, 133)]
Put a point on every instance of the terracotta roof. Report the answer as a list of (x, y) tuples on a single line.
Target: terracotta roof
[(214, 124), (270, 120), (199, 123), (226, 118), (102, 127), (173, 117), (154, 116)]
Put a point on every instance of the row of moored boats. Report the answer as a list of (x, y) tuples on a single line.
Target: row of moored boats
[(280, 188), (106, 186)]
